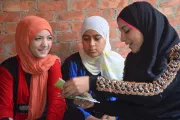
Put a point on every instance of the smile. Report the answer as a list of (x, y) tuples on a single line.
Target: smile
[(44, 50)]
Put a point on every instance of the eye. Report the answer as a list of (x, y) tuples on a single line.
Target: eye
[(38, 38), (86, 38), (97, 37), (50, 38), (126, 29)]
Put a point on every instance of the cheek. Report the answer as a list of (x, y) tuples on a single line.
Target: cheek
[(32, 49), (135, 36), (35, 44), (139, 38), (32, 46), (122, 37), (85, 45), (101, 45), (50, 44)]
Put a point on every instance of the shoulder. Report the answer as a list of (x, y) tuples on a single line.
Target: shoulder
[(56, 65), (10, 66), (10, 63), (73, 58)]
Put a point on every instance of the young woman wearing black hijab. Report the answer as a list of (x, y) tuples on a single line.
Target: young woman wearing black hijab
[(151, 86)]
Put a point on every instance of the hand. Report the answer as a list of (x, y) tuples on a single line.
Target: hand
[(84, 103), (76, 86), (92, 118), (107, 117)]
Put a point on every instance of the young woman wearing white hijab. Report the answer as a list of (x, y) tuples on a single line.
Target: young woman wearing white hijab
[(93, 59)]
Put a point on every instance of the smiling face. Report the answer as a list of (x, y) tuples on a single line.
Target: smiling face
[(41, 44), (93, 43), (131, 36)]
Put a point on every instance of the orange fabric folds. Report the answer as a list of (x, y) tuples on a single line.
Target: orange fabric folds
[(26, 30)]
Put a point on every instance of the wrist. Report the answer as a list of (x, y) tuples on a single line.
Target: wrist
[(92, 118), (92, 82)]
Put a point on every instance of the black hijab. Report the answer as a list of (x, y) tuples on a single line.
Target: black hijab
[(159, 38)]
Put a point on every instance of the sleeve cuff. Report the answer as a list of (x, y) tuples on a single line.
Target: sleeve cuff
[(92, 82), (6, 118), (86, 114)]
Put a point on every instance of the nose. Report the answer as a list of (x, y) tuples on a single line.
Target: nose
[(92, 43), (44, 42), (123, 37)]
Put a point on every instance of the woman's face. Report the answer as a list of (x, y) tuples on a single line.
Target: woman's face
[(131, 36), (93, 43), (41, 44)]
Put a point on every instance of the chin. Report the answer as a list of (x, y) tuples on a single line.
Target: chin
[(93, 55), (134, 51), (42, 56)]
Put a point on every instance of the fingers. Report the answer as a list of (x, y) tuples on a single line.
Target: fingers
[(89, 105), (104, 117), (69, 94), (76, 86), (110, 117), (78, 102), (68, 84), (83, 103), (68, 91)]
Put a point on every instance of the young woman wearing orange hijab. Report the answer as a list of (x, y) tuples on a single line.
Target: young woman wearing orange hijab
[(27, 81)]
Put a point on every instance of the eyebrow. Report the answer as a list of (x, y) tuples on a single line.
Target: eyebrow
[(93, 35), (85, 35), (42, 36)]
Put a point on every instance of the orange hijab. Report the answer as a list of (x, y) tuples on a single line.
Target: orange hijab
[(26, 31)]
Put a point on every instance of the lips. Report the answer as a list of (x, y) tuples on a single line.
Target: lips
[(91, 49), (130, 44), (43, 50)]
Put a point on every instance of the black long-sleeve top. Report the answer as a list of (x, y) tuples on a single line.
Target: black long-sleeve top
[(156, 100)]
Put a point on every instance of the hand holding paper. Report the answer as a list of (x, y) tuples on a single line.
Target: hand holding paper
[(60, 83)]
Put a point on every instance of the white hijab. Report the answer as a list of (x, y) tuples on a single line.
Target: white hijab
[(110, 64)]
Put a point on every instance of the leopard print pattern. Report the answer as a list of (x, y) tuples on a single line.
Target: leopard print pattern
[(142, 88)]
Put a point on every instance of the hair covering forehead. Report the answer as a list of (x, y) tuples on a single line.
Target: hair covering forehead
[(99, 25)]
